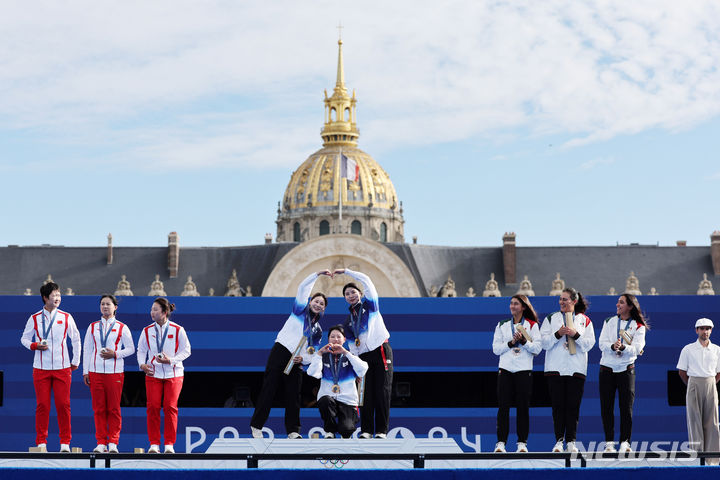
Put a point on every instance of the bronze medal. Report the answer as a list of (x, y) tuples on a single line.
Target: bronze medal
[(336, 388), (311, 350), (357, 342)]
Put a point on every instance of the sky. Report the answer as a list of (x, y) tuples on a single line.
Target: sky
[(569, 123)]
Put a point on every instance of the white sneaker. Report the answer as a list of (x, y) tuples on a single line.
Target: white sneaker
[(169, 449), (624, 447), (329, 435), (499, 447), (64, 448), (42, 446), (380, 435), (154, 449), (294, 435), (571, 448), (609, 447), (112, 448), (101, 448), (256, 432), (365, 435), (558, 448), (522, 447)]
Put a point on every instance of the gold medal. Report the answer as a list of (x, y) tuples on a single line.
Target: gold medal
[(357, 342), (336, 388), (311, 350)]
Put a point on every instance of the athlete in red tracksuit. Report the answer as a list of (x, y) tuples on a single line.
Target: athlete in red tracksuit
[(107, 343), (162, 347), (46, 333)]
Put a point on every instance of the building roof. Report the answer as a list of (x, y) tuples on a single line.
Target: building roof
[(592, 270)]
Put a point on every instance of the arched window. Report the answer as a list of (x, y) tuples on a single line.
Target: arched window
[(296, 232), (347, 114), (383, 232), (333, 114), (324, 227), (356, 227)]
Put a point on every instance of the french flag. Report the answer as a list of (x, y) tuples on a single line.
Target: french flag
[(349, 168)]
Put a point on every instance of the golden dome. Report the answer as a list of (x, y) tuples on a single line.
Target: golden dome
[(319, 200), (317, 183)]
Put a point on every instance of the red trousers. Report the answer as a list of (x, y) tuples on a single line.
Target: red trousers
[(59, 382), (106, 390), (162, 393)]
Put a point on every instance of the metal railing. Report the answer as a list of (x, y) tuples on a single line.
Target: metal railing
[(418, 459)]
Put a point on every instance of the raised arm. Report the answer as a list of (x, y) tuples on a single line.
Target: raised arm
[(303, 293), (369, 291)]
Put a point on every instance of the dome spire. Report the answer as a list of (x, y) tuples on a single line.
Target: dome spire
[(340, 127), (340, 83)]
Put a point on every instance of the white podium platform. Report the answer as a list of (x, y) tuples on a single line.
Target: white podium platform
[(335, 446)]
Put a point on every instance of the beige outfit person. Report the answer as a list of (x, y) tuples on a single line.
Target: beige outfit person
[(699, 367)]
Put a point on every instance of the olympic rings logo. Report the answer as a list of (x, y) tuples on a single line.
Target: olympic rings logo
[(334, 463)]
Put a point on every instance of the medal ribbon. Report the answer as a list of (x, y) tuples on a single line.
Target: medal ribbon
[(46, 332), (307, 328), (627, 322), (355, 320), (104, 339), (335, 361), (160, 344)]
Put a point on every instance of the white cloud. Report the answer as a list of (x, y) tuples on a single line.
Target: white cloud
[(450, 71), (597, 162)]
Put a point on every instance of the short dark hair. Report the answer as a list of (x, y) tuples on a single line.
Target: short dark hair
[(351, 285), (337, 327), (47, 289)]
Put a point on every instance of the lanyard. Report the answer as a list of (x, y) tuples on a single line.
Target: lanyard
[(307, 327), (158, 343), (335, 361), (618, 328), (355, 322), (46, 332), (513, 327), (104, 338)]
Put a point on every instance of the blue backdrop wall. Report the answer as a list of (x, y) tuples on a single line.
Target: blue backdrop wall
[(427, 335)]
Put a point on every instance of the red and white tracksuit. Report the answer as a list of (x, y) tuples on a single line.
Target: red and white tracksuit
[(106, 375), (51, 369), (163, 387)]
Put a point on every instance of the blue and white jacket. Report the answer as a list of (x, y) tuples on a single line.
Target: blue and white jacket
[(370, 328), (300, 322), (350, 368)]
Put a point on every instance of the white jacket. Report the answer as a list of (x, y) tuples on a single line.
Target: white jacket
[(511, 360), (348, 389), (176, 348), (119, 339), (56, 357), (557, 356), (608, 336)]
